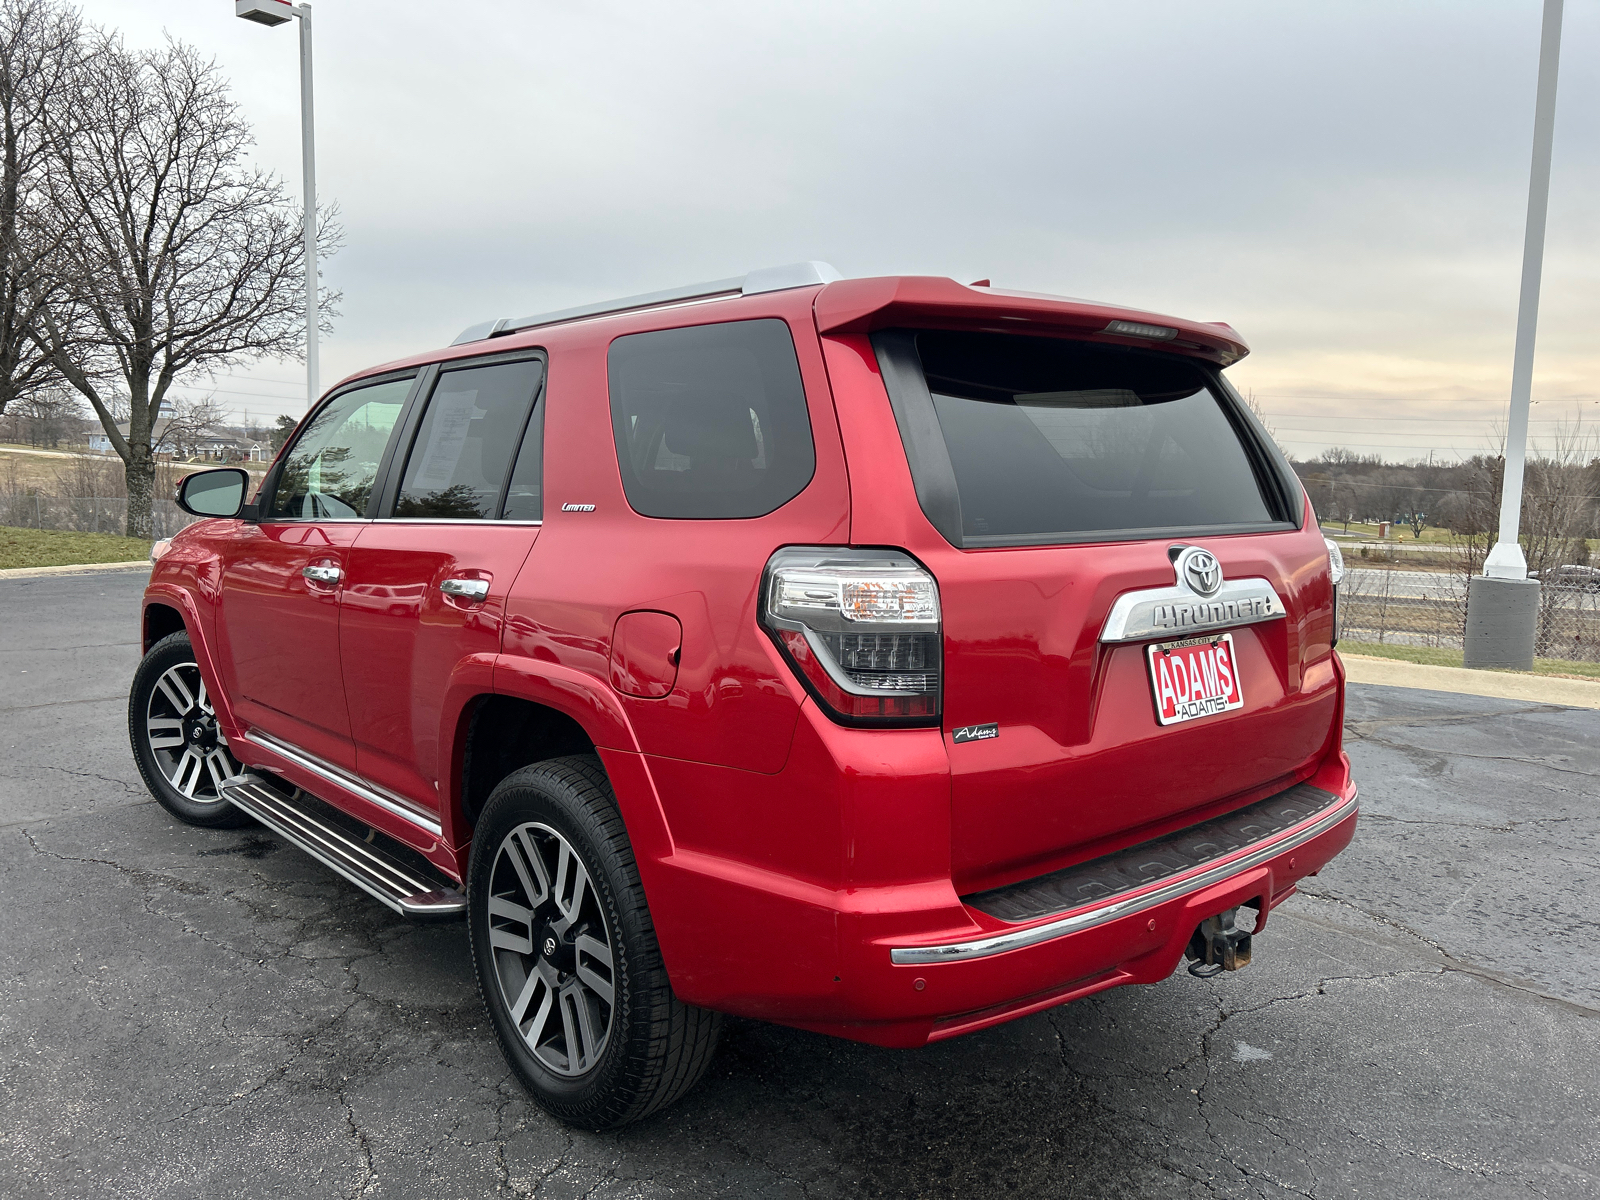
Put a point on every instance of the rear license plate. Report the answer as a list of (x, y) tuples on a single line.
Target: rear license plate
[(1194, 678)]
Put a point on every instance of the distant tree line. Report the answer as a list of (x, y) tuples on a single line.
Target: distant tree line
[(1560, 505), (138, 246)]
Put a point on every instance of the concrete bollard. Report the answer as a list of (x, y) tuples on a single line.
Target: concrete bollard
[(1502, 623)]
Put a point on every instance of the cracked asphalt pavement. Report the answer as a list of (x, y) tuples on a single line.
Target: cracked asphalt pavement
[(187, 1012)]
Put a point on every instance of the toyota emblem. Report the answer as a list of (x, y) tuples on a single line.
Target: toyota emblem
[(1200, 570), (549, 947)]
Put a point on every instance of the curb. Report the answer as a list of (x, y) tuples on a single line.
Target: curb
[(76, 569), (1541, 689)]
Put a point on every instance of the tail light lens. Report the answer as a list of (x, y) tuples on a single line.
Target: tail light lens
[(861, 629)]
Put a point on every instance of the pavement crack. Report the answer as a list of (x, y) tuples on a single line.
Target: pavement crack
[(111, 779)]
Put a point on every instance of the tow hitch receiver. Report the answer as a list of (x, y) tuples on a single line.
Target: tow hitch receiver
[(1218, 945)]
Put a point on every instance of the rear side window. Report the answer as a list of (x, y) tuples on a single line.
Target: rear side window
[(462, 453), (1054, 440), (710, 421)]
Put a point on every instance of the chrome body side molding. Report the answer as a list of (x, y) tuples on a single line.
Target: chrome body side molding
[(391, 802), (1124, 906)]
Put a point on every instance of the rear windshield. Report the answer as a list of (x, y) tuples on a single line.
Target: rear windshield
[(1052, 437)]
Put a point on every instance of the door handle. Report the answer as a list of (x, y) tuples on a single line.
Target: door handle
[(318, 574), (466, 589)]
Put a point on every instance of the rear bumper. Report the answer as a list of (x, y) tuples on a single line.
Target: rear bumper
[(912, 991), (1136, 901), (906, 962)]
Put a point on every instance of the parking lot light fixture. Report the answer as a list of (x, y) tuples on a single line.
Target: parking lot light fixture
[(1503, 603), (273, 13)]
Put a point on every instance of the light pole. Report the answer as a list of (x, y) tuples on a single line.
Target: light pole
[(277, 12), (1503, 603)]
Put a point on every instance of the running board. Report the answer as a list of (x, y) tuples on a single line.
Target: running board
[(380, 875)]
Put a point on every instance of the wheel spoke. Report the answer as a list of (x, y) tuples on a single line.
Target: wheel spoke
[(202, 699), (506, 939), (176, 691), (592, 948), (569, 870), (570, 1029), (587, 1047), (525, 997), (187, 773), (535, 883), (165, 732), (219, 766)]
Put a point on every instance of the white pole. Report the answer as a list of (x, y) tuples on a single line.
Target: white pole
[(1506, 560), (308, 157)]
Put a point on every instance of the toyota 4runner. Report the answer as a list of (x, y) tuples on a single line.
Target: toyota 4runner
[(882, 657)]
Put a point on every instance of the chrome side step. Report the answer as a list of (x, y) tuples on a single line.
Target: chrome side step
[(380, 875)]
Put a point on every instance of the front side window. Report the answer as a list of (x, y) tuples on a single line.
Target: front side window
[(711, 420), (1050, 439), (462, 452), (328, 472)]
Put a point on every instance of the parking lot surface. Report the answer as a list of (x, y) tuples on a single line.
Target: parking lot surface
[(187, 1012)]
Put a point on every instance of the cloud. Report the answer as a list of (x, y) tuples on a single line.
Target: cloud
[(1344, 183)]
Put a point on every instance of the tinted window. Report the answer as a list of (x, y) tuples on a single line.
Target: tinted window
[(525, 495), (329, 470), (1056, 437), (710, 421), (463, 448)]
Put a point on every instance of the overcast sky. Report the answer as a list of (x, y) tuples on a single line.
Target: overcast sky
[(1345, 183)]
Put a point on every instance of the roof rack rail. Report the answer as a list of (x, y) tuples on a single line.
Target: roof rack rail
[(767, 279)]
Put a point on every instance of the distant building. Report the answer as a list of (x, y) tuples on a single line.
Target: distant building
[(211, 443)]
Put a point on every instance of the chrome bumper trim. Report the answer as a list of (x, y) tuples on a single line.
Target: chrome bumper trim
[(370, 792), (1088, 918)]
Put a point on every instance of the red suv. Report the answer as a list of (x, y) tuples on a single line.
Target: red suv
[(883, 657)]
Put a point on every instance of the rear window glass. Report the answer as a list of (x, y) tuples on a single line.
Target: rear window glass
[(1055, 437), (710, 421)]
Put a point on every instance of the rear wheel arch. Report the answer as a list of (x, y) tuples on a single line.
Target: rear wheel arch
[(502, 734)]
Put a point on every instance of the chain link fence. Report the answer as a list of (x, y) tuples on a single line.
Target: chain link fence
[(1399, 607), (86, 514)]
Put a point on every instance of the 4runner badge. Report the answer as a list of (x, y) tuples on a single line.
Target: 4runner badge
[(577, 508), (975, 733)]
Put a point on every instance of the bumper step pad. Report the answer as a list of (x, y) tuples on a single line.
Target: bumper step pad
[(381, 875), (1104, 878)]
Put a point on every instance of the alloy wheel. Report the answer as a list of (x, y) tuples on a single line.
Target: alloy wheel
[(552, 952), (181, 725)]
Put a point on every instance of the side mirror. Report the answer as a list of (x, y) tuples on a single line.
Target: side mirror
[(218, 493)]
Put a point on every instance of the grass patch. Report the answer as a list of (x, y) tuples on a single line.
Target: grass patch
[(1437, 656), (66, 548)]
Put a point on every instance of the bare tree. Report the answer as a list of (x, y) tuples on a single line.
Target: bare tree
[(47, 417), (188, 422), (178, 257), (40, 45)]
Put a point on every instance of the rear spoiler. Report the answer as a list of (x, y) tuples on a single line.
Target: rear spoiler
[(930, 301)]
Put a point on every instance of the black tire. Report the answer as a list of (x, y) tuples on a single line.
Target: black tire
[(157, 764), (654, 1048)]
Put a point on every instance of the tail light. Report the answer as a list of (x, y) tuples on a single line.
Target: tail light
[(861, 629)]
